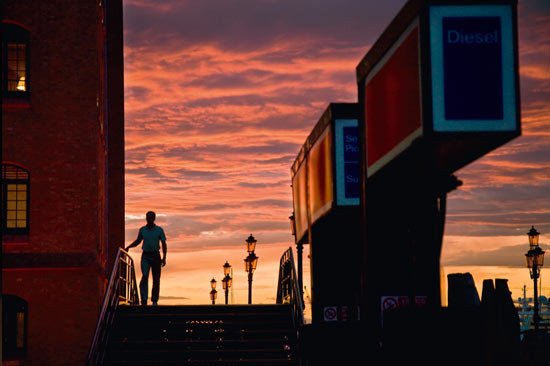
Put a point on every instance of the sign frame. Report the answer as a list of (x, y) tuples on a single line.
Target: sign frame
[(510, 120), (339, 160)]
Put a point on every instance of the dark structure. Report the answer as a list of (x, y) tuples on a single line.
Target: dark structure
[(437, 90), (327, 216), (462, 290), (325, 186), (62, 173), (431, 101)]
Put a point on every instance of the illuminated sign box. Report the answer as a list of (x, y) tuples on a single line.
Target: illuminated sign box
[(326, 172), (442, 76), (347, 155)]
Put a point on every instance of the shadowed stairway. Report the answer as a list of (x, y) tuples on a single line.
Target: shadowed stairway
[(202, 335)]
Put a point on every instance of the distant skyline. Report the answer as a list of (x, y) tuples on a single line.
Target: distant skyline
[(220, 96)]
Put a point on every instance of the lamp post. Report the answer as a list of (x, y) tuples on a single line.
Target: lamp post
[(213, 292), (250, 263), (227, 280), (535, 260), (299, 250)]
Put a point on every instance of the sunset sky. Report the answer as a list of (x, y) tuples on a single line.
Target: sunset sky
[(220, 95)]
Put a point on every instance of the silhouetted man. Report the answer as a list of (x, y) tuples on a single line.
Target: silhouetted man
[(150, 234)]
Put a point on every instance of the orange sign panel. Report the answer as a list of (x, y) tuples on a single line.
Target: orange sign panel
[(320, 182)]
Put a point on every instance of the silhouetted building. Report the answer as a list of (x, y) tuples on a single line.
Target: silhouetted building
[(62, 173)]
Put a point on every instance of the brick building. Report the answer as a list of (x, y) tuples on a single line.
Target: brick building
[(62, 173)]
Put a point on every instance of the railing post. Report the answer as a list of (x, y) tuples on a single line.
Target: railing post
[(123, 271), (300, 249), (287, 288)]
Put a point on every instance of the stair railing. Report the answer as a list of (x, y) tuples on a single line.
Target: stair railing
[(122, 289), (288, 291)]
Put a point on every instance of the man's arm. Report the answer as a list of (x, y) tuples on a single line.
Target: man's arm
[(135, 242), (164, 249)]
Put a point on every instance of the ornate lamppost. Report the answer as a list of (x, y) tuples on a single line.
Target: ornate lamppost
[(535, 260), (213, 292), (250, 263), (227, 280)]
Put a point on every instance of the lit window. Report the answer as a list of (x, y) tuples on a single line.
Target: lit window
[(15, 199), (15, 61)]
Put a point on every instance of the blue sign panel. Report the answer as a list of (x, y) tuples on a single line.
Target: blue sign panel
[(473, 68), (351, 161), (347, 162)]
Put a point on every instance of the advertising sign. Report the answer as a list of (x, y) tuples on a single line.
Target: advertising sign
[(392, 101), (299, 192), (473, 68), (347, 162), (320, 176)]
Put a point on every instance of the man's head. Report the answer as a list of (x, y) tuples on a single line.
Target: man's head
[(150, 216)]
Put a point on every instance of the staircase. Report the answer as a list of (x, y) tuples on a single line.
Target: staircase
[(258, 335)]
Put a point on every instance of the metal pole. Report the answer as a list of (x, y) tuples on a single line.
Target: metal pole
[(536, 306), (232, 285), (300, 249), (226, 294), (250, 286)]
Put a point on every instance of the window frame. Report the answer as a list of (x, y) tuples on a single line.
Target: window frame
[(15, 33), (5, 182), (12, 305)]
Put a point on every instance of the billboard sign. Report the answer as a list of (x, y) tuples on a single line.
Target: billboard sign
[(473, 68), (299, 192), (443, 74), (347, 155), (320, 176), (392, 101)]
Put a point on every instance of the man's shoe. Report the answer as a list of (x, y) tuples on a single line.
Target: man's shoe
[(155, 304)]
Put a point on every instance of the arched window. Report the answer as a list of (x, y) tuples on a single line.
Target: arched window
[(15, 199), (14, 327), (15, 61)]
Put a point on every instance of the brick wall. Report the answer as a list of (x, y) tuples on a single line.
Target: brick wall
[(76, 180), (56, 138), (62, 313)]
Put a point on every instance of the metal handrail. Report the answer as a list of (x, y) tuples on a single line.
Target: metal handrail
[(288, 291), (122, 289)]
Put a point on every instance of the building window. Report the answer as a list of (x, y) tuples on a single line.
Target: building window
[(14, 327), (15, 61), (15, 199)]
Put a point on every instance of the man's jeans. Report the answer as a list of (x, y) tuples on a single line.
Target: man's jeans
[(150, 261)]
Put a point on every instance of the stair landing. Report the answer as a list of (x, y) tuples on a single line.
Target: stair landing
[(260, 335)]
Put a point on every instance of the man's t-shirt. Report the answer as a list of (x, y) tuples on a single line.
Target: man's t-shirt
[(151, 238)]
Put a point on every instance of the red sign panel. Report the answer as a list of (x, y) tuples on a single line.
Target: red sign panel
[(393, 102), (299, 191), (320, 176)]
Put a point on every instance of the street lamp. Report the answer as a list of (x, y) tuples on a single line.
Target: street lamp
[(535, 261), (251, 244), (250, 263), (213, 292), (227, 280), (533, 236)]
